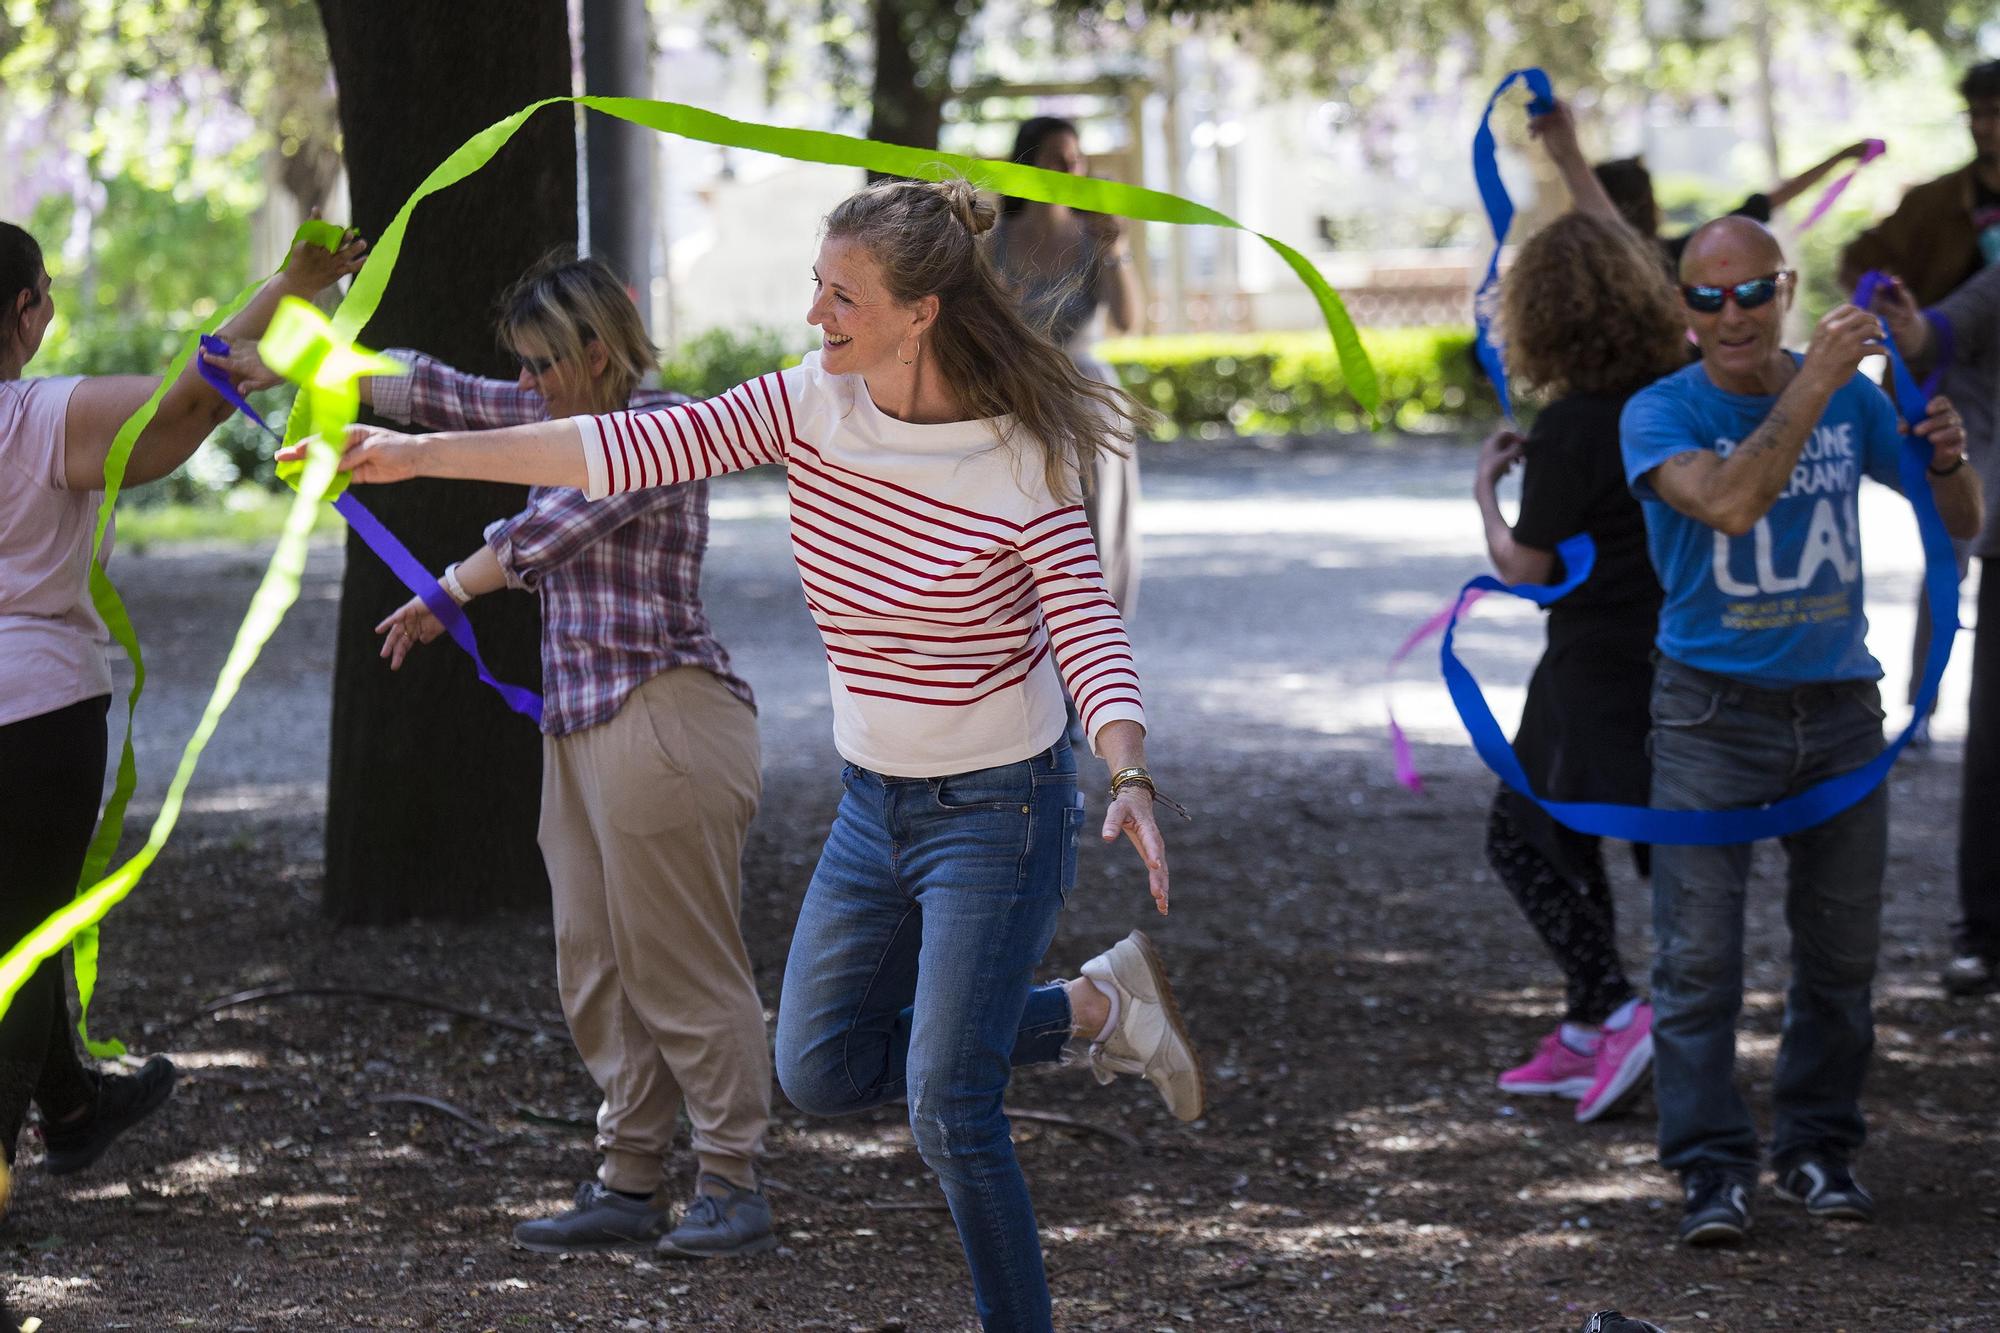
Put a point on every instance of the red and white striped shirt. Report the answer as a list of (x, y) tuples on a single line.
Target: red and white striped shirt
[(948, 584)]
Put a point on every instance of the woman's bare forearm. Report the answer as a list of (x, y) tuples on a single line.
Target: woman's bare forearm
[(543, 453)]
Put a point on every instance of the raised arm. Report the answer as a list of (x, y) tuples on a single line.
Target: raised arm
[(1556, 130), (191, 407), (1787, 190), (1731, 494), (600, 455)]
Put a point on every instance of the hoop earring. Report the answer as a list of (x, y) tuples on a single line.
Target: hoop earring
[(906, 360)]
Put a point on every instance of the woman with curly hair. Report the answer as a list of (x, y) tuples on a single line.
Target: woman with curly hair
[(1588, 319)]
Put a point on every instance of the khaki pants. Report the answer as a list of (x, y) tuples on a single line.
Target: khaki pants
[(642, 828)]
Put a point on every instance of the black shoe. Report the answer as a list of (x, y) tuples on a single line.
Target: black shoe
[(1718, 1208), (719, 1225), (1827, 1189), (123, 1100), (1610, 1321), (1970, 975)]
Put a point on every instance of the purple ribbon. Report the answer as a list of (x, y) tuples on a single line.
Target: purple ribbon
[(1874, 281), (1874, 149), (389, 549)]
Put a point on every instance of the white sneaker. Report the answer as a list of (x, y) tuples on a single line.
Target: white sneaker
[(1150, 1038)]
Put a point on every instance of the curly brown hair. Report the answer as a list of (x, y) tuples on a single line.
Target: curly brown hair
[(1586, 307)]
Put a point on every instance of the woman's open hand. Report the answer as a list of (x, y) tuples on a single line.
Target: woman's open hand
[(373, 455), (1131, 813)]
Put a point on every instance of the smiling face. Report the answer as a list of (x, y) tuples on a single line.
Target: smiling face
[(570, 389), (863, 329), (1737, 345)]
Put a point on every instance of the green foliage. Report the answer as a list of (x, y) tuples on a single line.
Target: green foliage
[(239, 517), (1215, 385), (720, 359), (157, 263), (137, 87)]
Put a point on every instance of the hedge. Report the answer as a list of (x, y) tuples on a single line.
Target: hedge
[(1215, 385)]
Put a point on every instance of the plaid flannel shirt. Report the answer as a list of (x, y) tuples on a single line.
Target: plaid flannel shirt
[(619, 579)]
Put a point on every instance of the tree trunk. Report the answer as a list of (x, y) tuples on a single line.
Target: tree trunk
[(907, 95), (618, 62), (433, 789)]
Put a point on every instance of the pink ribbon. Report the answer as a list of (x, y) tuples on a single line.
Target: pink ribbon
[(1406, 764), (1874, 149)]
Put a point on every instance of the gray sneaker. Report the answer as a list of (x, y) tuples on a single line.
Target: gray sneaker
[(720, 1226), (601, 1220)]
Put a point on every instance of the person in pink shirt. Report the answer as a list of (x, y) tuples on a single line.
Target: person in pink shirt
[(55, 683)]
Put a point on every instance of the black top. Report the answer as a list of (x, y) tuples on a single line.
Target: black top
[(1574, 481), (1757, 206), (1583, 724)]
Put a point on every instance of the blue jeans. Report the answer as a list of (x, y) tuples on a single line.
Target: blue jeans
[(912, 974), (1718, 743)]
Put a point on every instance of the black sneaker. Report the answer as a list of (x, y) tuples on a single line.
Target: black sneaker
[(1827, 1189), (599, 1220), (1717, 1210), (1970, 975), (123, 1100), (724, 1225)]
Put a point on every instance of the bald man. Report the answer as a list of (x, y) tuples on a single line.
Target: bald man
[(1747, 466)]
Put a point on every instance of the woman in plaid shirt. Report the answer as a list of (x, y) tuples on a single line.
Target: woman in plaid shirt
[(650, 776)]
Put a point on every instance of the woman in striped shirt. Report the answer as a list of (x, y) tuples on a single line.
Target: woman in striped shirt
[(933, 446)]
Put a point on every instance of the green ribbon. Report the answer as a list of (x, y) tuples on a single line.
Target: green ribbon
[(1023, 182), (77, 922), (304, 346), (111, 609)]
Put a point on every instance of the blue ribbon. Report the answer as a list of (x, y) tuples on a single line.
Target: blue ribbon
[(390, 550), (1816, 804), (1500, 216)]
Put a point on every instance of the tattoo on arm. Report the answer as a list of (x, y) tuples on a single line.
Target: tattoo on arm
[(1765, 437)]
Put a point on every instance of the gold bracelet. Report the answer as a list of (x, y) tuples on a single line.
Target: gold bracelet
[(1139, 777)]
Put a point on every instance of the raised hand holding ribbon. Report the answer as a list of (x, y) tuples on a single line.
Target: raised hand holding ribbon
[(1499, 207), (1817, 803)]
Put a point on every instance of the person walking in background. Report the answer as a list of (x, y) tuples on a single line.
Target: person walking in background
[(933, 448), (55, 681), (650, 774), (1067, 265), (1586, 318), (1748, 467)]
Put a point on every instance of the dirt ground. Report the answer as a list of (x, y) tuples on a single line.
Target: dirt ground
[(1353, 974)]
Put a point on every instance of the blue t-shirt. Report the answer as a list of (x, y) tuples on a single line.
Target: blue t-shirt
[(1780, 605)]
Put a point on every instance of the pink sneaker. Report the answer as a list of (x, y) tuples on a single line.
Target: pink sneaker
[(1624, 1059), (1555, 1071)]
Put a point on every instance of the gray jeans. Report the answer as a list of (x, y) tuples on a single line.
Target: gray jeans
[(1718, 743)]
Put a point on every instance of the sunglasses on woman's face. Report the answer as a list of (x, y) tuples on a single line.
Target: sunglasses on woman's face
[(1749, 295), (537, 365)]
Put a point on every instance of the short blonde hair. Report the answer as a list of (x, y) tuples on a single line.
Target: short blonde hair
[(566, 303)]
